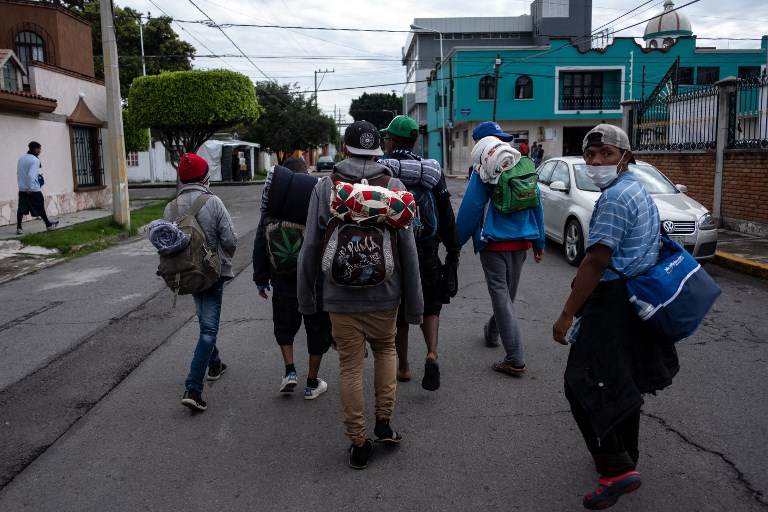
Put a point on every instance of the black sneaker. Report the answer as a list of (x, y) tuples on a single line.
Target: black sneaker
[(215, 373), (358, 455), (384, 433), (194, 400)]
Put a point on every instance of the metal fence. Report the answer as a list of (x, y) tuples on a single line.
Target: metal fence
[(748, 114), (682, 121)]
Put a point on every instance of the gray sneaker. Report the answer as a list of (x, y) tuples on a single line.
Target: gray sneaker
[(289, 383)]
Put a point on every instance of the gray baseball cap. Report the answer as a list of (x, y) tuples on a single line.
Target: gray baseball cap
[(606, 134)]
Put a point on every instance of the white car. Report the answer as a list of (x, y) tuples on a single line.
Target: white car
[(569, 197)]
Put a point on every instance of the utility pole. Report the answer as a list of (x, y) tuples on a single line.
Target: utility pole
[(321, 80), (144, 73), (115, 136), (496, 67)]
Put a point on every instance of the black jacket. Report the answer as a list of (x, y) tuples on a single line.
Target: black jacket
[(616, 358)]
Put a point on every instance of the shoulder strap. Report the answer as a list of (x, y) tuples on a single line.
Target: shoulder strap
[(175, 210), (198, 204)]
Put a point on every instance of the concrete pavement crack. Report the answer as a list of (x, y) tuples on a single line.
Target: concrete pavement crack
[(31, 314), (755, 493)]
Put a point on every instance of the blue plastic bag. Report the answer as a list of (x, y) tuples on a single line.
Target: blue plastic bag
[(675, 295)]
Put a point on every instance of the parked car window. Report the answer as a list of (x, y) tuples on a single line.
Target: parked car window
[(545, 172), (652, 179), (582, 182), (561, 174)]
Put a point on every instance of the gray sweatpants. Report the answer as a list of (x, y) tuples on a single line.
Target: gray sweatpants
[(502, 274)]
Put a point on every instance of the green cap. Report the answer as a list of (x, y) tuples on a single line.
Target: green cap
[(403, 126)]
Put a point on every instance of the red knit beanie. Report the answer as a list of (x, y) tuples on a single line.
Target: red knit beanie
[(193, 169)]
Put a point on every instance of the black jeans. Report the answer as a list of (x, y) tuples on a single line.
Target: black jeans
[(617, 452)]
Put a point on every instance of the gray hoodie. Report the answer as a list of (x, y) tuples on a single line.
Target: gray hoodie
[(404, 282), (214, 220)]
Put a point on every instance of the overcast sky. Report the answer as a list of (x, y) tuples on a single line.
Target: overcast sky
[(369, 61)]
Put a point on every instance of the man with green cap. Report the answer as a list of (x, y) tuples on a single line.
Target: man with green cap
[(424, 178)]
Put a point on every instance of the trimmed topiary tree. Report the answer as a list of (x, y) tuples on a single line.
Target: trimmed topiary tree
[(185, 108), (136, 137)]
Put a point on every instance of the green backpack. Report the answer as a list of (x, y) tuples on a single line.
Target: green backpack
[(516, 189)]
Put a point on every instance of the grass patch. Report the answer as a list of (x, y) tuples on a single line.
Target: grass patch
[(93, 235)]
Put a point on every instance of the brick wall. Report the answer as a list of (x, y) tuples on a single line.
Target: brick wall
[(745, 180)]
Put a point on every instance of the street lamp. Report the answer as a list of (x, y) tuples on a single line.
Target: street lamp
[(442, 88), (393, 112)]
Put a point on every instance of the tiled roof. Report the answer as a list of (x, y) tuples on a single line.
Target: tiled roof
[(25, 94)]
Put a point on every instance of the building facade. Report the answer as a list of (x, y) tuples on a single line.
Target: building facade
[(554, 94), (55, 100), (431, 38)]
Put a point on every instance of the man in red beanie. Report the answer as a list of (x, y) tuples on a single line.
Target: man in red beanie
[(220, 236)]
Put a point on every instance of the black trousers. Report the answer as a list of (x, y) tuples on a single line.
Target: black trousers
[(617, 452)]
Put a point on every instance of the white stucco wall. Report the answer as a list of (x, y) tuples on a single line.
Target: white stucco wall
[(52, 132)]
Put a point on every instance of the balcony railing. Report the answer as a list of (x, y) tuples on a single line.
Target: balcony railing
[(589, 102)]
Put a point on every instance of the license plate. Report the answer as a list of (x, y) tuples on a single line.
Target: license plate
[(678, 238)]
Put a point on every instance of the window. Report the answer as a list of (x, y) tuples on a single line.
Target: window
[(487, 88), (132, 159), (746, 72), (10, 76), (86, 142), (524, 88), (707, 75), (545, 172), (29, 47), (653, 44), (582, 90), (465, 138), (685, 76), (561, 174), (668, 41)]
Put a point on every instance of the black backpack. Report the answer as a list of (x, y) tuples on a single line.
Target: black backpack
[(359, 255), (426, 208)]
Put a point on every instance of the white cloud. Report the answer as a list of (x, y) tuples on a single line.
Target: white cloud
[(371, 58)]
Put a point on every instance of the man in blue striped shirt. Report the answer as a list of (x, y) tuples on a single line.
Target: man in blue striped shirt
[(615, 358)]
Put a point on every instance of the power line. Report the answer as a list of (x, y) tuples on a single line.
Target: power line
[(188, 32), (231, 41)]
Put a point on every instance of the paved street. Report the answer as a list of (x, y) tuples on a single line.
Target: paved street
[(92, 367)]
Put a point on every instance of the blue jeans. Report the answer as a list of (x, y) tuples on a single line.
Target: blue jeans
[(208, 308), (502, 274)]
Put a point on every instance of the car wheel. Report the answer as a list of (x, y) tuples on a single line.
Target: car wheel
[(573, 242)]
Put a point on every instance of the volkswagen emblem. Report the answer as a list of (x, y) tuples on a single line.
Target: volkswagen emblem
[(669, 226)]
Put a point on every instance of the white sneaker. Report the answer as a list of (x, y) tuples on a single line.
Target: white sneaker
[(289, 383), (312, 393), (19, 231)]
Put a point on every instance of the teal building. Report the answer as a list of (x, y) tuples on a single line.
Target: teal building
[(554, 94)]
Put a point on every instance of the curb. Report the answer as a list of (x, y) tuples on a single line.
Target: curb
[(742, 265)]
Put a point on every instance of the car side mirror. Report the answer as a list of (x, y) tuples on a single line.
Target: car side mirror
[(558, 186), (682, 188)]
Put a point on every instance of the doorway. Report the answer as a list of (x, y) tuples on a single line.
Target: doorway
[(573, 137)]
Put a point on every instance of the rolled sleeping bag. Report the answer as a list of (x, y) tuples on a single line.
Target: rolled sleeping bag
[(287, 194)]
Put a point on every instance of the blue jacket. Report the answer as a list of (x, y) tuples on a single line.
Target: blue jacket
[(496, 226)]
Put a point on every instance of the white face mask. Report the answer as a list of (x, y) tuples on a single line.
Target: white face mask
[(603, 175)]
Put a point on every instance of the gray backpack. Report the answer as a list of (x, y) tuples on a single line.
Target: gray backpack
[(196, 267)]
